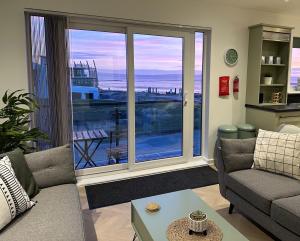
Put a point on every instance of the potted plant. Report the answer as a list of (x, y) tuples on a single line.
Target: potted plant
[(268, 79), (15, 130), (197, 222)]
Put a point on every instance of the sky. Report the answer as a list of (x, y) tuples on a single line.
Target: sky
[(296, 58), (150, 52)]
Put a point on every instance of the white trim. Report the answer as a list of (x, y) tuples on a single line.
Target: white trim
[(131, 98), (205, 92), (127, 174), (100, 169), (157, 163), (188, 87), (96, 27)]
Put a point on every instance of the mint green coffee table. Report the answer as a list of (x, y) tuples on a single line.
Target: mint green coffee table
[(175, 205)]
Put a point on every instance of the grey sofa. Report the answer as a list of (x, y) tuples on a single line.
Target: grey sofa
[(270, 200), (57, 215)]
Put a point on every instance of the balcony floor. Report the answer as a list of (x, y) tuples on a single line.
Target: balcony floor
[(147, 148)]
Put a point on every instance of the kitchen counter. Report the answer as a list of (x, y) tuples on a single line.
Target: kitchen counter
[(293, 107), (270, 117)]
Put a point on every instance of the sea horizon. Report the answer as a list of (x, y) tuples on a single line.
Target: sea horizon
[(161, 80)]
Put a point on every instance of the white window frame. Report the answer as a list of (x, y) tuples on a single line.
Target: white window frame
[(130, 28)]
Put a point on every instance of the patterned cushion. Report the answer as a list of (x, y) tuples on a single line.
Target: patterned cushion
[(278, 152), (22, 171), (13, 198)]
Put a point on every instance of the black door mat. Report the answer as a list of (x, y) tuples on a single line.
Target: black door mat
[(112, 193)]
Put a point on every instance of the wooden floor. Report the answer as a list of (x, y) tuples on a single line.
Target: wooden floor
[(113, 223)]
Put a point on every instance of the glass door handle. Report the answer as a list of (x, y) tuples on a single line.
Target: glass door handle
[(185, 99)]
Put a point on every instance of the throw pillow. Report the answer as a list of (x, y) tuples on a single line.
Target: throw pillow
[(237, 154), (13, 198), (278, 152), (22, 172)]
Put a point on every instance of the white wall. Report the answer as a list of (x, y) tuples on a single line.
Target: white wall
[(229, 29)]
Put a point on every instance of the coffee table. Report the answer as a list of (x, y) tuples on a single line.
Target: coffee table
[(174, 205)]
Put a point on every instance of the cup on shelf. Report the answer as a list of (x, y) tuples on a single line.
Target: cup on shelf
[(278, 60), (270, 60), (263, 59)]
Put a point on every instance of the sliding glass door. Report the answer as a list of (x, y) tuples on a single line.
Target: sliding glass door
[(136, 96), (158, 76), (99, 97)]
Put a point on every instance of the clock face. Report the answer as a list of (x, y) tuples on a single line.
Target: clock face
[(231, 57)]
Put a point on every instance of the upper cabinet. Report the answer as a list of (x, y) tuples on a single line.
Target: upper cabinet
[(294, 80), (268, 64)]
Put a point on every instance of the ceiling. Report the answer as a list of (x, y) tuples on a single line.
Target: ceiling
[(277, 6)]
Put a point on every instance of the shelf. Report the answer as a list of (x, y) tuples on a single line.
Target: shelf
[(276, 65), (273, 40), (294, 92), (269, 103), (273, 85)]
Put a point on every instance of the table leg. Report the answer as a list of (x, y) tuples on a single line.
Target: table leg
[(84, 151), (88, 156), (134, 237), (93, 152), (84, 154), (77, 147)]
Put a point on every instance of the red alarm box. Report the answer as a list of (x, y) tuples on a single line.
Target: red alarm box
[(223, 85)]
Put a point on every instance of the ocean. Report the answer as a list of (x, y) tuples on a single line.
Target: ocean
[(160, 82)]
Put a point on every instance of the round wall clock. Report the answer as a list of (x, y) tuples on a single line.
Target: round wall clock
[(231, 57)]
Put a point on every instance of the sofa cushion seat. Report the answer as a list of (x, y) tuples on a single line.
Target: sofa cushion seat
[(260, 188), (286, 212), (56, 217)]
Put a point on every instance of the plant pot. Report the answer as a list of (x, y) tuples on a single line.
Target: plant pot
[(268, 80), (197, 225)]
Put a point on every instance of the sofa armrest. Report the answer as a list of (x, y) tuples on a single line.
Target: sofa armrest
[(52, 167)]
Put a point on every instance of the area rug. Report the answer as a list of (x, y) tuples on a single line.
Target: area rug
[(112, 193), (179, 231)]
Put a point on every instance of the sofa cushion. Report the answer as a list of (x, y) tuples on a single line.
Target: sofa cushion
[(52, 167), (22, 171), (278, 152), (291, 129), (260, 188), (13, 198), (286, 212), (56, 217), (237, 154)]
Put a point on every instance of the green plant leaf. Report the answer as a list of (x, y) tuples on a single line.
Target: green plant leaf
[(15, 119)]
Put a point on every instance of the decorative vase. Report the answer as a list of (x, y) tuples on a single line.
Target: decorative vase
[(197, 222), (276, 97), (268, 80)]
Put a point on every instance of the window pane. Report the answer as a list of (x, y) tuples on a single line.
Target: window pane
[(198, 93), (295, 69), (39, 79), (99, 97), (158, 96)]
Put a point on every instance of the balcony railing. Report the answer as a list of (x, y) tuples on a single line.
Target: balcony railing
[(155, 122)]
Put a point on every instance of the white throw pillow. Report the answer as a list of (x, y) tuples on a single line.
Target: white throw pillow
[(278, 152), (13, 198)]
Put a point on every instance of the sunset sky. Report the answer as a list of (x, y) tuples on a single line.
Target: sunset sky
[(296, 58), (151, 52)]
